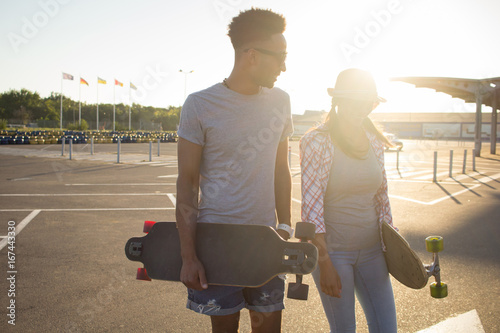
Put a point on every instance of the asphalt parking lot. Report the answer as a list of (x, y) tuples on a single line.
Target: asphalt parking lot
[(73, 217)]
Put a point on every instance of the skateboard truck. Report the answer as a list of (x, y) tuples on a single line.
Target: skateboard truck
[(304, 231), (434, 244), (135, 250)]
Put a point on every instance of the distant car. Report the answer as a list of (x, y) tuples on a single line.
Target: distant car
[(398, 144)]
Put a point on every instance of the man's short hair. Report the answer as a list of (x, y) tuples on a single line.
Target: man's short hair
[(255, 25)]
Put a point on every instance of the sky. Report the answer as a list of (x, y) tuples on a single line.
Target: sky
[(147, 42)]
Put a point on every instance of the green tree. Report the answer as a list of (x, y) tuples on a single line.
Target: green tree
[(21, 106)]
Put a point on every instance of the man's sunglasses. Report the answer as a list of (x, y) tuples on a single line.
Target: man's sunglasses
[(280, 56)]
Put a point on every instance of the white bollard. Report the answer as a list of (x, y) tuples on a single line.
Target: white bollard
[(150, 150), (397, 160), (158, 147), (465, 161), (70, 149), (473, 160), (451, 163), (92, 146), (434, 178), (118, 151)]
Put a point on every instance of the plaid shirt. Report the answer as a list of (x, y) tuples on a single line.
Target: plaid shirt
[(316, 157)]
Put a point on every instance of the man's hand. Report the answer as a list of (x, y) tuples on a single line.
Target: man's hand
[(186, 212), (193, 274)]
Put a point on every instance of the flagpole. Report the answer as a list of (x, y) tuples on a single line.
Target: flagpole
[(114, 89), (97, 117), (61, 116), (129, 106), (80, 102)]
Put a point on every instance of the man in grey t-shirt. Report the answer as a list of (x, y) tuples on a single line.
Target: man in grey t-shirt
[(233, 167)]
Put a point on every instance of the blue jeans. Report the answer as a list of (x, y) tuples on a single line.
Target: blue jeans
[(365, 274)]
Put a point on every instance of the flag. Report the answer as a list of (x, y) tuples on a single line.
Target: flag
[(132, 86), (67, 76), (82, 81), (99, 80), (118, 83)]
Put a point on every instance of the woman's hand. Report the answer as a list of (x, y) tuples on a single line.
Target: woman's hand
[(330, 280)]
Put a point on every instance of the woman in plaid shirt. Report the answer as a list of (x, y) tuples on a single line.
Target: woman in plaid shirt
[(344, 193)]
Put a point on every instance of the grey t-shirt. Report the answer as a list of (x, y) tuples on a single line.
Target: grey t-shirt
[(351, 218), (240, 136)]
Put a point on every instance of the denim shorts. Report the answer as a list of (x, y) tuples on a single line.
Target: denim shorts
[(226, 300)]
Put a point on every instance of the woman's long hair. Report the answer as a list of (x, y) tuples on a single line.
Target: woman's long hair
[(332, 126)]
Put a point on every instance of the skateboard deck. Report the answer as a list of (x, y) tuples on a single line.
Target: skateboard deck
[(236, 255), (402, 262), (405, 265)]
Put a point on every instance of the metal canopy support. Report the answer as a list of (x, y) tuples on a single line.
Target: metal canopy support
[(478, 125), (493, 138), (470, 90)]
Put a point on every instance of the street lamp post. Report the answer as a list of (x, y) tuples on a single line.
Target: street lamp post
[(185, 80)]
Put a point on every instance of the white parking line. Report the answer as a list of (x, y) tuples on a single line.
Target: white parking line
[(488, 178), (430, 203), (477, 183), (21, 226), (165, 165), (465, 176), (431, 175), (406, 174), (79, 194), (124, 184), (172, 198), (465, 323), (451, 182), (18, 179), (88, 209)]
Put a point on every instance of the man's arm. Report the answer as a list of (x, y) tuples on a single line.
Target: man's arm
[(283, 187), (186, 213)]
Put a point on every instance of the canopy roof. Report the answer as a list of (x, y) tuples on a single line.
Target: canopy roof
[(466, 89)]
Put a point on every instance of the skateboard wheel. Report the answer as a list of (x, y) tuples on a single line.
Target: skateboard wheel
[(147, 226), (142, 275), (439, 291), (305, 230), (434, 244)]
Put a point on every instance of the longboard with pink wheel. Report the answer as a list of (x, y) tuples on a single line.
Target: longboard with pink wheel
[(232, 254)]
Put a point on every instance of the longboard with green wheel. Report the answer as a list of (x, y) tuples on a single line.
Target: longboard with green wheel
[(405, 265), (232, 254)]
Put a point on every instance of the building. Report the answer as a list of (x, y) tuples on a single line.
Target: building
[(459, 126)]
